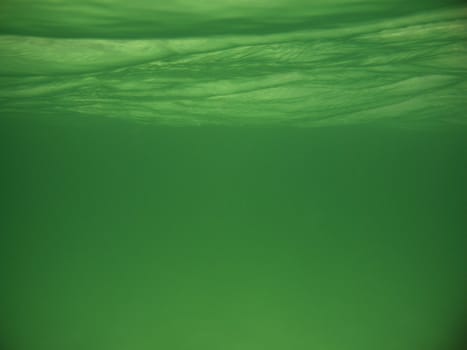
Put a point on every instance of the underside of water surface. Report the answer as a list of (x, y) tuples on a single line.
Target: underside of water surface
[(295, 62)]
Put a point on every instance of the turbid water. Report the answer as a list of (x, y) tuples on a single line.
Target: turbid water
[(233, 175)]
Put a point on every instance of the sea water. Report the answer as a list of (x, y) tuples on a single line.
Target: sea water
[(233, 175)]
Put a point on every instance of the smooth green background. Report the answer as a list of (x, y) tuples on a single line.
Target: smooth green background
[(233, 175), (118, 235)]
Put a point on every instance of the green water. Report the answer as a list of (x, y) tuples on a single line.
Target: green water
[(233, 175)]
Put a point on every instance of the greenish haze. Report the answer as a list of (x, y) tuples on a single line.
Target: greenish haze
[(233, 175)]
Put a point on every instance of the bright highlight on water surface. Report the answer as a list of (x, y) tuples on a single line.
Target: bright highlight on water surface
[(304, 63)]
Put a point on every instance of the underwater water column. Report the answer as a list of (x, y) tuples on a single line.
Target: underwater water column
[(233, 175)]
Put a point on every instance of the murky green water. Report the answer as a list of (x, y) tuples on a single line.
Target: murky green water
[(233, 175)]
